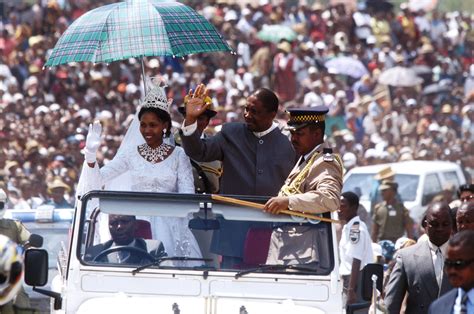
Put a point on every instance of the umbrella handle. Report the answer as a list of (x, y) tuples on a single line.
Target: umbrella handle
[(143, 74)]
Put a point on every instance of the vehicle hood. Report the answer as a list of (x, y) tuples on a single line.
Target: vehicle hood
[(122, 303)]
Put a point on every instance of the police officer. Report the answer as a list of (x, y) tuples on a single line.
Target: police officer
[(313, 186), (355, 248)]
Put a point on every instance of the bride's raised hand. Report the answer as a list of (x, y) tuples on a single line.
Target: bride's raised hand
[(93, 142), (196, 103)]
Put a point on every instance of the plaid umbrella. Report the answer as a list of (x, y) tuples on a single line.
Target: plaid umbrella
[(275, 33), (136, 28)]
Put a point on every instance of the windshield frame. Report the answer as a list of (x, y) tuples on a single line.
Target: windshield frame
[(217, 207)]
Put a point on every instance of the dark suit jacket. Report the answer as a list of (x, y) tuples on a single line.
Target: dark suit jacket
[(414, 274), (252, 166), (95, 250), (445, 304)]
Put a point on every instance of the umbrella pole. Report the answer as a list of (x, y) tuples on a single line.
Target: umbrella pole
[(143, 75)]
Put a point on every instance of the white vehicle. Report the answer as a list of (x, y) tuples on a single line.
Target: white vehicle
[(418, 182), (172, 285)]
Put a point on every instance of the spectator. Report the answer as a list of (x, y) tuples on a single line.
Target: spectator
[(460, 269), (418, 272), (465, 216), (57, 191), (466, 192)]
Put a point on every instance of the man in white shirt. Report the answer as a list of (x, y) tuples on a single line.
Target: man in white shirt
[(459, 264), (355, 248)]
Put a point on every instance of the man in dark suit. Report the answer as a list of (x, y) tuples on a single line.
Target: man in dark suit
[(460, 268), (256, 158), (133, 250), (418, 271)]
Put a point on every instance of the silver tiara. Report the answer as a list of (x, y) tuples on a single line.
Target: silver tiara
[(156, 95)]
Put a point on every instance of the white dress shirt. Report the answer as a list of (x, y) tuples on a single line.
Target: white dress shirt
[(438, 260), (469, 303)]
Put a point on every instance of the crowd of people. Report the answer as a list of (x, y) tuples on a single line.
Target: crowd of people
[(323, 103), (45, 111)]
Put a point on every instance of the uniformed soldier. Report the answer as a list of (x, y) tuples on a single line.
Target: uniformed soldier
[(313, 186), (16, 232), (391, 218), (206, 174), (355, 248)]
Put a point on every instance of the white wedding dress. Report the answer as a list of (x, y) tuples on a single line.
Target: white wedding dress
[(172, 175)]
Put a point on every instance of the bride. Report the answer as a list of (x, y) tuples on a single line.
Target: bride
[(146, 163)]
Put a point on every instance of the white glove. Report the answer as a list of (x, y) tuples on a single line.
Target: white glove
[(92, 141)]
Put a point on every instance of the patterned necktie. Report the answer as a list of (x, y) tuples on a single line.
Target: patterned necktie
[(464, 303)]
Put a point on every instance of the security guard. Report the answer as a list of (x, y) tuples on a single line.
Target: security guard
[(355, 248), (313, 186), (206, 174), (14, 230), (391, 218)]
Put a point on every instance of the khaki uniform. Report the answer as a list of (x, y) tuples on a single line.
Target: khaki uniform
[(391, 220), (320, 189), (206, 176), (312, 187), (14, 230)]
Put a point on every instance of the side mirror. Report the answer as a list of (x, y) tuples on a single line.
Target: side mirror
[(36, 274), (36, 267), (204, 224), (35, 240)]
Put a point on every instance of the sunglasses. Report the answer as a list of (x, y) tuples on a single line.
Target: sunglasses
[(458, 264), (467, 198)]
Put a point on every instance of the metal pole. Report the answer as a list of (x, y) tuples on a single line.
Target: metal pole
[(374, 292), (143, 75)]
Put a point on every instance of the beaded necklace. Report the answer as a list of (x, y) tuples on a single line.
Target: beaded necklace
[(154, 155)]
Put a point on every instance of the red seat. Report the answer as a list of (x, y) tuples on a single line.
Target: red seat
[(143, 229), (256, 246)]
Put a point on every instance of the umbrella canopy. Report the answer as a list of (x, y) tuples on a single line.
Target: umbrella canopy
[(400, 76), (435, 89), (426, 5), (136, 28), (276, 33), (347, 66), (422, 70), (379, 5)]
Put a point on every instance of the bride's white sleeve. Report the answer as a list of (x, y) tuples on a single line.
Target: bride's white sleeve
[(95, 178), (185, 173)]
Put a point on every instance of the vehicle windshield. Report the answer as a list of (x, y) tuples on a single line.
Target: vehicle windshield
[(364, 183), (148, 231)]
